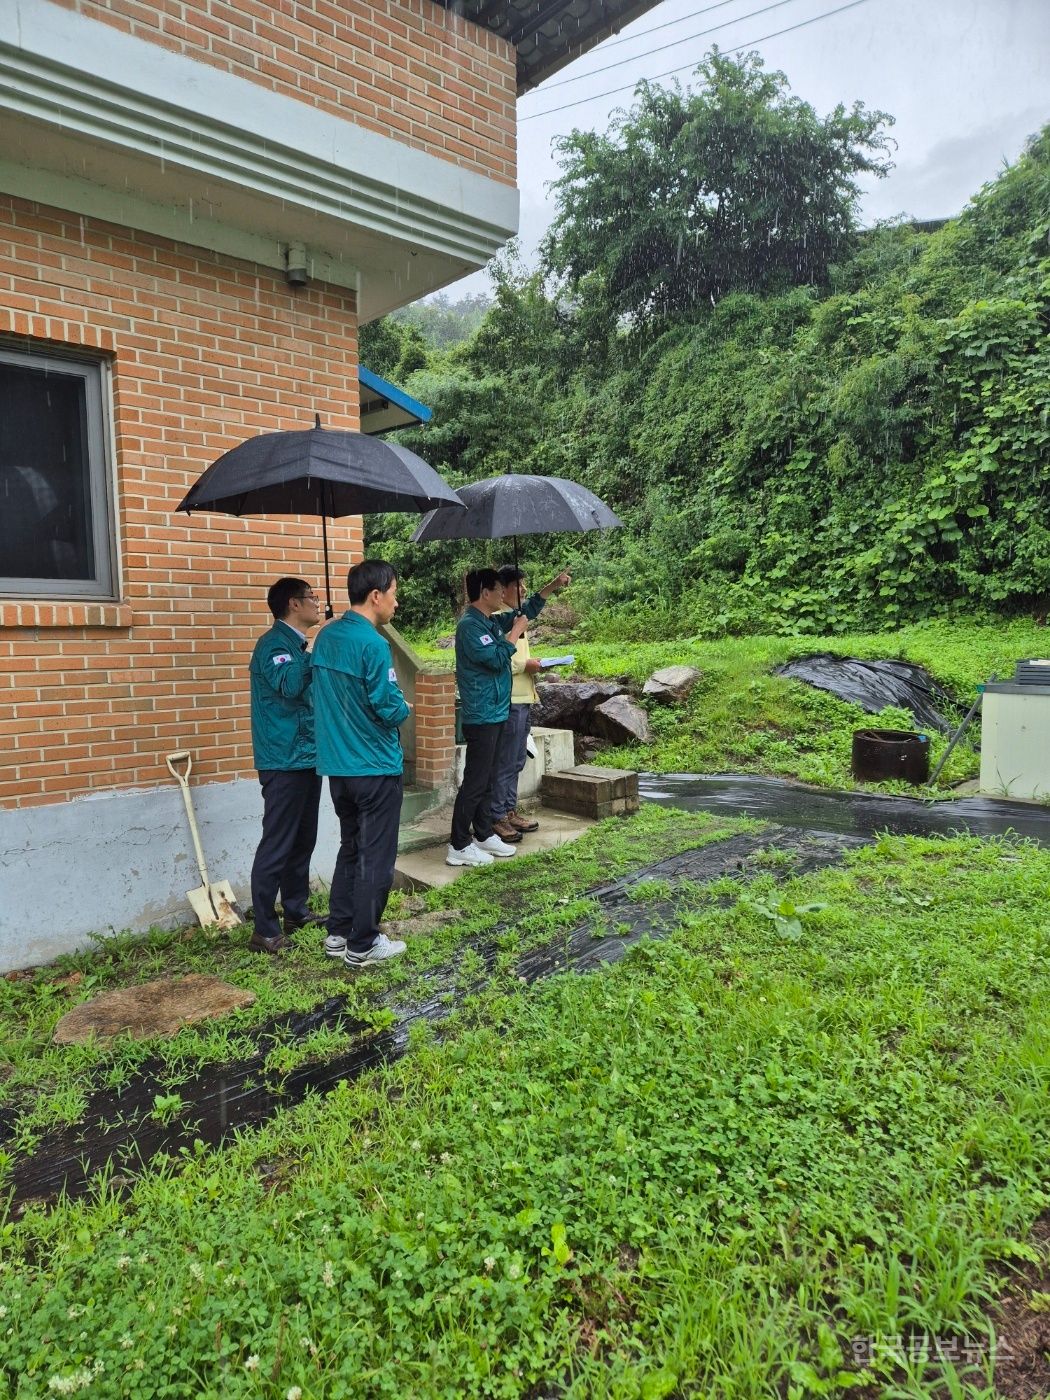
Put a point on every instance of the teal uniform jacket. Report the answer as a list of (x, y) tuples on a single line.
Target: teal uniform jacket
[(282, 715), (357, 701), (483, 657)]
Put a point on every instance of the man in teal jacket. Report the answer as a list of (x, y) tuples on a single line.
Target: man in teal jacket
[(486, 637), (359, 706), (283, 748)]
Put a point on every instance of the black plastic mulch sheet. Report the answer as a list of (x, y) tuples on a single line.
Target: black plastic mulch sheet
[(872, 685)]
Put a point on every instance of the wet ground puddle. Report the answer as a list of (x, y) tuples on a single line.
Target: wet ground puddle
[(861, 814)]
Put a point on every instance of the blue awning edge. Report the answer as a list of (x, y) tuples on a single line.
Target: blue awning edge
[(385, 407)]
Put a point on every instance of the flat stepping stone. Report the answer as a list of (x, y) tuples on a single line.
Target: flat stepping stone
[(151, 1009)]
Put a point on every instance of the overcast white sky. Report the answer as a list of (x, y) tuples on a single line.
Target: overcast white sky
[(966, 80)]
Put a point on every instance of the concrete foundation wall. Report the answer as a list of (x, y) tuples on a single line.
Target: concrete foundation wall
[(125, 860)]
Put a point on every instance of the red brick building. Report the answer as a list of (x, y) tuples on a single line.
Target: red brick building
[(164, 164)]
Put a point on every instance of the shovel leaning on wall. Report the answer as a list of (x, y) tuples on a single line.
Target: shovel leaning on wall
[(214, 902)]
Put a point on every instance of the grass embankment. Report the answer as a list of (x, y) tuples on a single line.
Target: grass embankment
[(742, 719), (727, 1166)]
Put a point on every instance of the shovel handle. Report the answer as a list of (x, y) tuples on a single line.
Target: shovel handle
[(183, 780), (174, 758)]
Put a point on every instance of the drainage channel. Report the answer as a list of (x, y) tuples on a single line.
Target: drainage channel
[(120, 1134), (860, 814)]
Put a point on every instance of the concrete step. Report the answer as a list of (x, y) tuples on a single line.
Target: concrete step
[(415, 802), (421, 850)]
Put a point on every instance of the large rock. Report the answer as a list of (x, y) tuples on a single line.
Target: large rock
[(568, 704), (621, 720), (671, 684), (152, 1009)]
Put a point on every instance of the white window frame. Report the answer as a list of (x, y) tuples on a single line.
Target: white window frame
[(97, 399)]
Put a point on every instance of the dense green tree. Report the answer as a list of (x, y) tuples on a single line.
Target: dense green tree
[(393, 349), (732, 186)]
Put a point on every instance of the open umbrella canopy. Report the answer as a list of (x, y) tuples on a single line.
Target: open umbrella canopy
[(319, 471), (502, 506)]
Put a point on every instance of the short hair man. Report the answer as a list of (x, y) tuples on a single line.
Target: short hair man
[(284, 755), (486, 638), (507, 821), (359, 707)]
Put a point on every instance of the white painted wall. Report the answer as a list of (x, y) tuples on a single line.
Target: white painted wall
[(124, 860)]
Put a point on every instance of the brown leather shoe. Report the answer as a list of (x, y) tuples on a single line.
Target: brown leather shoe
[(505, 831), (520, 823), (258, 944)]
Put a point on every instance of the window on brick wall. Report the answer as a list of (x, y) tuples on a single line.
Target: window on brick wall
[(56, 531)]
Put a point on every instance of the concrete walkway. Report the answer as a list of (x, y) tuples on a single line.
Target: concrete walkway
[(421, 859)]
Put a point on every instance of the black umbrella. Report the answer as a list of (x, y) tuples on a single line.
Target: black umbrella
[(508, 506), (502, 506), (323, 472)]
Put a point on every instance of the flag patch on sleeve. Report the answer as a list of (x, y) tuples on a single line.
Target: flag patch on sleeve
[(391, 676), (486, 640), (281, 658)]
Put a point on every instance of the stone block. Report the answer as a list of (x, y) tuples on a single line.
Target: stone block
[(590, 791), (625, 783)]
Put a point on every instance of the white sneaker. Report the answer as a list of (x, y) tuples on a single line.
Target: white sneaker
[(334, 946), (495, 846), (469, 855), (380, 950)]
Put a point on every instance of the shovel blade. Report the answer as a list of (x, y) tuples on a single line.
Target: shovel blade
[(215, 905)]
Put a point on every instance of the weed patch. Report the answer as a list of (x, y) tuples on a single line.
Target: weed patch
[(732, 1164)]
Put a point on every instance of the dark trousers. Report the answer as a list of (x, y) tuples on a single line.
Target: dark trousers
[(473, 809), (369, 812), (282, 860), (510, 760)]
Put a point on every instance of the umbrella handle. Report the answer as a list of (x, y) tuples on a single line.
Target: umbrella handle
[(328, 611)]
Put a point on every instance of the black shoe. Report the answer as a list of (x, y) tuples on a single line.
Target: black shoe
[(292, 923), (278, 944)]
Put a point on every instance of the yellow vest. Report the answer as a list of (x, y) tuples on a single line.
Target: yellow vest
[(523, 686)]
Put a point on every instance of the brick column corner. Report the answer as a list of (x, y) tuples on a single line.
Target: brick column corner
[(435, 716)]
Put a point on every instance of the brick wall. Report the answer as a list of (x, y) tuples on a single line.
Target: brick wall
[(205, 351), (435, 727), (406, 68)]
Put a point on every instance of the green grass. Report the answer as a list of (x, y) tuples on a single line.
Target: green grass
[(46, 1084), (712, 1170)]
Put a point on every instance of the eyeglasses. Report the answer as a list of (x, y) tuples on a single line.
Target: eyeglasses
[(309, 598)]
